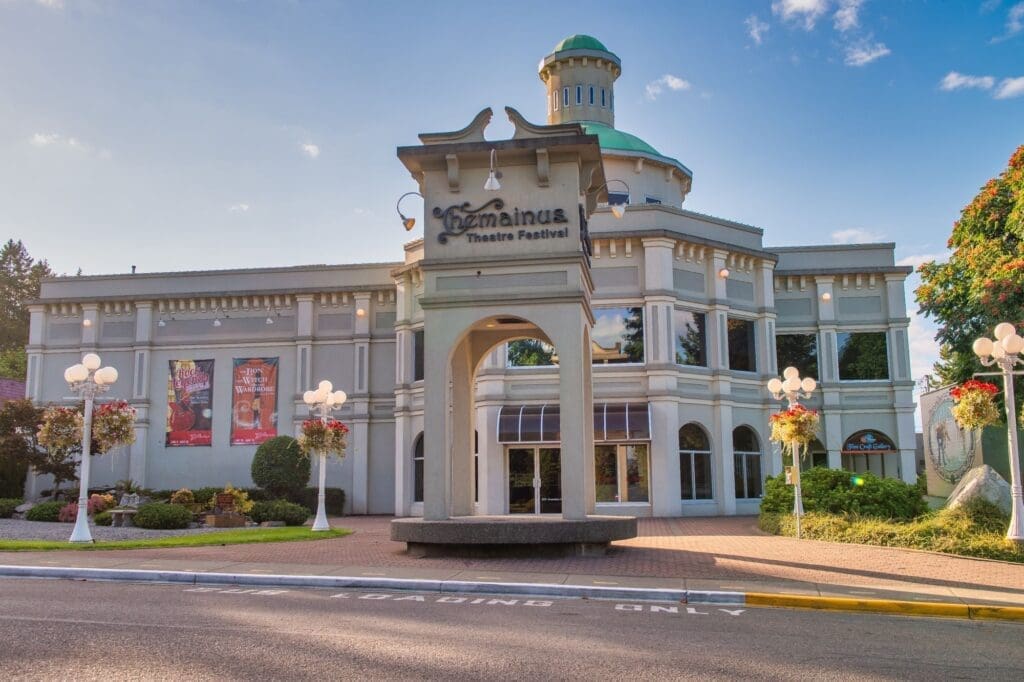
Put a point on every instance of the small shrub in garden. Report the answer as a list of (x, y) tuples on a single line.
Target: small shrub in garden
[(68, 513), (183, 496), (280, 467), (242, 502), (47, 511), (279, 510), (160, 516), (7, 506), (104, 518), (100, 502), (205, 496), (334, 500), (832, 491)]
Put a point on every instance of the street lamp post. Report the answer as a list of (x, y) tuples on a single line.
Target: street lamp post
[(323, 401), (1005, 352), (88, 380), (792, 389)]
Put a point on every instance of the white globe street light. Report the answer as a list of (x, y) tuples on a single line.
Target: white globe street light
[(792, 389), (1005, 352), (323, 400), (88, 380)]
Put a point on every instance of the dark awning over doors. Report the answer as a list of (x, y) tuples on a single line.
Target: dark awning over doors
[(542, 423)]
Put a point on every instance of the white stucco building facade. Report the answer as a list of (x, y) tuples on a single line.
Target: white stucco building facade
[(691, 314)]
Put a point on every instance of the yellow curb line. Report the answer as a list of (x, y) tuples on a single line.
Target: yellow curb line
[(905, 608)]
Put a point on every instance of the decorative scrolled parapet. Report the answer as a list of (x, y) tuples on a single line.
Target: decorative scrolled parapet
[(526, 130), (474, 132)]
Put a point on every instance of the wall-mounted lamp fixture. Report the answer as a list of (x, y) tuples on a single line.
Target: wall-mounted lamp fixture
[(86, 322), (360, 312), (618, 209), (724, 273), (407, 223), (492, 184), (826, 297)]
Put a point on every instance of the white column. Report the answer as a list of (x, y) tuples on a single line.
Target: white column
[(359, 438), (577, 416)]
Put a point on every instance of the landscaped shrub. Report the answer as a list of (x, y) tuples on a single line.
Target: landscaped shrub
[(334, 500), (160, 516), (46, 511), (279, 510), (7, 506), (183, 496), (103, 519), (68, 513), (834, 491), (280, 467), (242, 502), (100, 502), (205, 496)]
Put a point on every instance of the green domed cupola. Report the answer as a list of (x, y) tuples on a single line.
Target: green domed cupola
[(580, 42), (580, 76)]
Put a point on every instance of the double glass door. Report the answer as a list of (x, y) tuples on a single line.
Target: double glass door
[(534, 480)]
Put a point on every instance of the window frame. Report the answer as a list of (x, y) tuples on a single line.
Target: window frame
[(591, 95), (675, 335), (579, 95), (565, 97), (888, 357), (743, 457), (419, 369), (417, 457), (643, 319), (753, 337), (691, 454), (604, 98), (621, 472), (817, 350)]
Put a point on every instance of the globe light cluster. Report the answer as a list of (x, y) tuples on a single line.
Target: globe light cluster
[(102, 376), (1007, 342), (326, 394), (791, 383)]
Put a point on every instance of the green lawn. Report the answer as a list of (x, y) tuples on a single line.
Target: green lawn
[(224, 537)]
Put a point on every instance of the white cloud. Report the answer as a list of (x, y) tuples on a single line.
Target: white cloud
[(847, 16), (865, 53), (238, 208), (44, 139), (806, 11), (1014, 23), (856, 236), (366, 212), (656, 87), (916, 260), (309, 149), (924, 349), (1010, 87), (52, 4), (756, 28), (58, 140), (959, 81)]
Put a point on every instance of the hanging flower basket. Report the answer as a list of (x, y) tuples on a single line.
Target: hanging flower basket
[(975, 406), (113, 425), (795, 425), (61, 430), (329, 437)]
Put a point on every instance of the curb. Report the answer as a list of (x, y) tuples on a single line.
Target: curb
[(889, 606), (886, 606), (337, 582)]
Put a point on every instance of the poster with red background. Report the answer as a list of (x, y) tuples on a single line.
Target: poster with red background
[(190, 403), (253, 400)]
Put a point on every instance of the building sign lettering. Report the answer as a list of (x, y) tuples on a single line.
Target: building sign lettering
[(489, 219)]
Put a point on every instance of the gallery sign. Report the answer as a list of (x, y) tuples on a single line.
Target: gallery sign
[(493, 222), (867, 442)]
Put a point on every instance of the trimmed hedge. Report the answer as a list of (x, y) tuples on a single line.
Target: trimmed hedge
[(280, 467), (279, 510), (334, 500), (7, 506), (46, 511), (160, 516), (832, 491)]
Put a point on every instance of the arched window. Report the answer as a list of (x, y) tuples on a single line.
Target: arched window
[(695, 463), (417, 469), (747, 463)]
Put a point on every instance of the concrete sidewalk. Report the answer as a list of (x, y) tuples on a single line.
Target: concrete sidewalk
[(672, 558)]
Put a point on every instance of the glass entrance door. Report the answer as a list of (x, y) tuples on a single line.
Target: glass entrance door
[(534, 481)]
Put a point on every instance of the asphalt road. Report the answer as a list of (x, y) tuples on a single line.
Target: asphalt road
[(106, 631)]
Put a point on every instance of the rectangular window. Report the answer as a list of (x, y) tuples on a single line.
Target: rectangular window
[(622, 473), (618, 336), (798, 350), (653, 200), (555, 101), (747, 472), (695, 475), (565, 97), (691, 338), (863, 356), (604, 100), (591, 95), (742, 349), (579, 94), (530, 353), (417, 353), (616, 198)]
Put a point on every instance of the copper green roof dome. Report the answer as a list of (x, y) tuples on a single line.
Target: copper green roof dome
[(615, 140), (580, 42)]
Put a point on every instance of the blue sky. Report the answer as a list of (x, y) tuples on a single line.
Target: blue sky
[(195, 135)]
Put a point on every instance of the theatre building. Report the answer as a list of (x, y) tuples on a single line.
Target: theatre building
[(564, 338)]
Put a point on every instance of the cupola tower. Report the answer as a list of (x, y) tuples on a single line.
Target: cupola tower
[(580, 78)]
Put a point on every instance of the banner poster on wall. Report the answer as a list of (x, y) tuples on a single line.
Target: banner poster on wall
[(253, 400), (190, 403)]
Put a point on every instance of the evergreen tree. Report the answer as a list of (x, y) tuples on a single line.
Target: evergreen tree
[(20, 278)]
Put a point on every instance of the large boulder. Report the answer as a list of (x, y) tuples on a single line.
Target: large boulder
[(984, 482)]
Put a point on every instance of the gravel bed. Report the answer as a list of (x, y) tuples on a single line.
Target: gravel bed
[(19, 529)]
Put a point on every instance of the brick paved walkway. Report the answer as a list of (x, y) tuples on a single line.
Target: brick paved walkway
[(714, 549)]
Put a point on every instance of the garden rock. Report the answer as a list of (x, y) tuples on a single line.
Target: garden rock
[(22, 508), (985, 483), (273, 524)]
